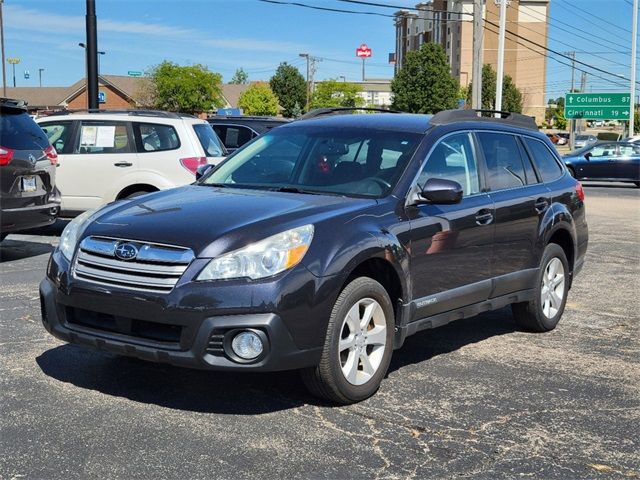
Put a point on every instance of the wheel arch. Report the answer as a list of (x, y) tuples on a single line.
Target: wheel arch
[(136, 187)]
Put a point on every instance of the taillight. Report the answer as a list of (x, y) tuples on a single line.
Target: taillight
[(6, 154), (51, 154), (192, 163), (580, 191)]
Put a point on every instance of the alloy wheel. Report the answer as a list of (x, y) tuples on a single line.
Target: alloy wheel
[(552, 291)]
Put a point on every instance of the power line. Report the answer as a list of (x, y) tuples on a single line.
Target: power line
[(575, 10), (326, 9)]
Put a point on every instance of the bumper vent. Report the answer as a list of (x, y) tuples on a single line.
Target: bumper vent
[(215, 345), (142, 266)]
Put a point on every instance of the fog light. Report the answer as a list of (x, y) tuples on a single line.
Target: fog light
[(247, 345)]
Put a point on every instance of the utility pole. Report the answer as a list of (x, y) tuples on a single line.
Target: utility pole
[(306, 55), (40, 70), (4, 71), (634, 46), (92, 55), (583, 89), (500, 74), (476, 73), (13, 61), (572, 122), (363, 69)]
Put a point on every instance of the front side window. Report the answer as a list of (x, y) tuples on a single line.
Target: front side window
[(545, 161), (57, 133), (98, 137), (453, 159), (505, 168), (604, 150), (156, 137), (350, 161)]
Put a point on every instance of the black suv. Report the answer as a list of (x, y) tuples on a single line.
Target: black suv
[(323, 244), (28, 195), (236, 130)]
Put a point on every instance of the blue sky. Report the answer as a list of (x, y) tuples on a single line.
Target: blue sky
[(226, 34)]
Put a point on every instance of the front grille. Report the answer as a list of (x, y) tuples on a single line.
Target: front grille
[(155, 268), (158, 332)]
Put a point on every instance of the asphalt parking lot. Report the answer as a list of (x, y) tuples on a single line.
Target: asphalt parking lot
[(474, 399)]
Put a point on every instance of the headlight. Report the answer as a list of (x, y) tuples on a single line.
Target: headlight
[(70, 234), (262, 259)]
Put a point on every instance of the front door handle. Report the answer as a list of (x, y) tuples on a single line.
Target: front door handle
[(484, 217), (541, 205), (123, 164)]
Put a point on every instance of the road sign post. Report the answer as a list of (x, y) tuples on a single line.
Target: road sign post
[(597, 106), (363, 52), (134, 73)]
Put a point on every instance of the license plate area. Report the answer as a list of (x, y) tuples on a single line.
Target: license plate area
[(28, 184)]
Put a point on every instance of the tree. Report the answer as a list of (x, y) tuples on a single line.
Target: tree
[(559, 121), (424, 84), (290, 87), (259, 99), (240, 77), (636, 120), (297, 111), (332, 93), (511, 96), (190, 89)]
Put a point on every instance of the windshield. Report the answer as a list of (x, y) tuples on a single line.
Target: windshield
[(351, 162), (209, 140)]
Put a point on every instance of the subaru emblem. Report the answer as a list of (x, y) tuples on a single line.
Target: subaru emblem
[(32, 159), (126, 251)]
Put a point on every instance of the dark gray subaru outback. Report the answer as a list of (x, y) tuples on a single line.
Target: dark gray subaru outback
[(323, 244)]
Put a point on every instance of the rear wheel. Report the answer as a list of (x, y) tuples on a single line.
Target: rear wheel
[(136, 194), (543, 312), (358, 345)]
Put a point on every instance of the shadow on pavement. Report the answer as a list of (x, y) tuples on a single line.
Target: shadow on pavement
[(18, 249), (239, 393)]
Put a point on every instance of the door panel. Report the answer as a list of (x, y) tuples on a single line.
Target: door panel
[(628, 163), (601, 162)]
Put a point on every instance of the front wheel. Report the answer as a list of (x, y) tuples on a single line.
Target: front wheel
[(543, 312), (358, 344)]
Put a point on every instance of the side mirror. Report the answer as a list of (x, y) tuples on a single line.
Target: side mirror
[(441, 191), (588, 155), (202, 170)]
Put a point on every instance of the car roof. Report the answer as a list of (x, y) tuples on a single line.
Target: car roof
[(408, 122), (122, 114)]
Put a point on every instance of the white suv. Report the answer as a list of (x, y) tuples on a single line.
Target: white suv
[(109, 155)]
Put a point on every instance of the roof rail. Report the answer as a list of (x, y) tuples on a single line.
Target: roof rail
[(133, 112), (13, 103), (516, 119), (319, 112)]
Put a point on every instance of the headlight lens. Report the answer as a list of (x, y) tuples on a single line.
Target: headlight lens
[(262, 259), (70, 234)]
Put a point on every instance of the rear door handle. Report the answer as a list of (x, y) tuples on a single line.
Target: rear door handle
[(123, 164), (484, 217), (541, 205)]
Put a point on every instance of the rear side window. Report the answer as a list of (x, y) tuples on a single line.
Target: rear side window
[(630, 149), (156, 137), (233, 136), (58, 134), (209, 140), (18, 131), (505, 168), (545, 161), (98, 137)]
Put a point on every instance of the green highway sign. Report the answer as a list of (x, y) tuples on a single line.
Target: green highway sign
[(133, 73), (597, 106)]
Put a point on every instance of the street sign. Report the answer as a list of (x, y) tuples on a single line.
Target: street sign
[(597, 106), (363, 51), (134, 73), (102, 97)]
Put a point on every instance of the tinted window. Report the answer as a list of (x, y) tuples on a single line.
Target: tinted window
[(18, 131), (157, 137), (103, 137), (545, 161), (58, 134), (504, 162), (233, 136), (453, 159), (348, 161), (209, 140)]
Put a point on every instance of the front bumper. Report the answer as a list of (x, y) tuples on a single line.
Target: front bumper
[(176, 329)]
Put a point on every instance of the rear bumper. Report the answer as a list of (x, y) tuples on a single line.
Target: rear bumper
[(24, 218)]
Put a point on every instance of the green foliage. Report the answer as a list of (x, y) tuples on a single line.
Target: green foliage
[(189, 89), (511, 96), (240, 77), (290, 87), (424, 84), (297, 111), (559, 121), (636, 121), (332, 93), (258, 99)]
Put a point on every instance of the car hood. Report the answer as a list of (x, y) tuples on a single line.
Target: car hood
[(212, 220)]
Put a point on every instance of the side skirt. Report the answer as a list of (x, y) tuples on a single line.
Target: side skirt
[(402, 332)]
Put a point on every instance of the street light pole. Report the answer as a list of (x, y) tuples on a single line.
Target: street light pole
[(13, 61), (634, 45), (40, 70), (4, 71), (92, 55), (500, 73)]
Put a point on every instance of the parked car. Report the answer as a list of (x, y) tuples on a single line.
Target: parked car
[(634, 139), (583, 140), (609, 161), (108, 155), (236, 130), (28, 194), (323, 245), (557, 139), (565, 136)]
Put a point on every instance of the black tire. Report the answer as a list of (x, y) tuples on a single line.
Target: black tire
[(326, 380), (637, 184), (137, 194), (3, 236), (572, 172), (530, 315)]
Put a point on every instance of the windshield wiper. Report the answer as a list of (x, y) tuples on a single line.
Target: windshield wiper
[(295, 190)]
